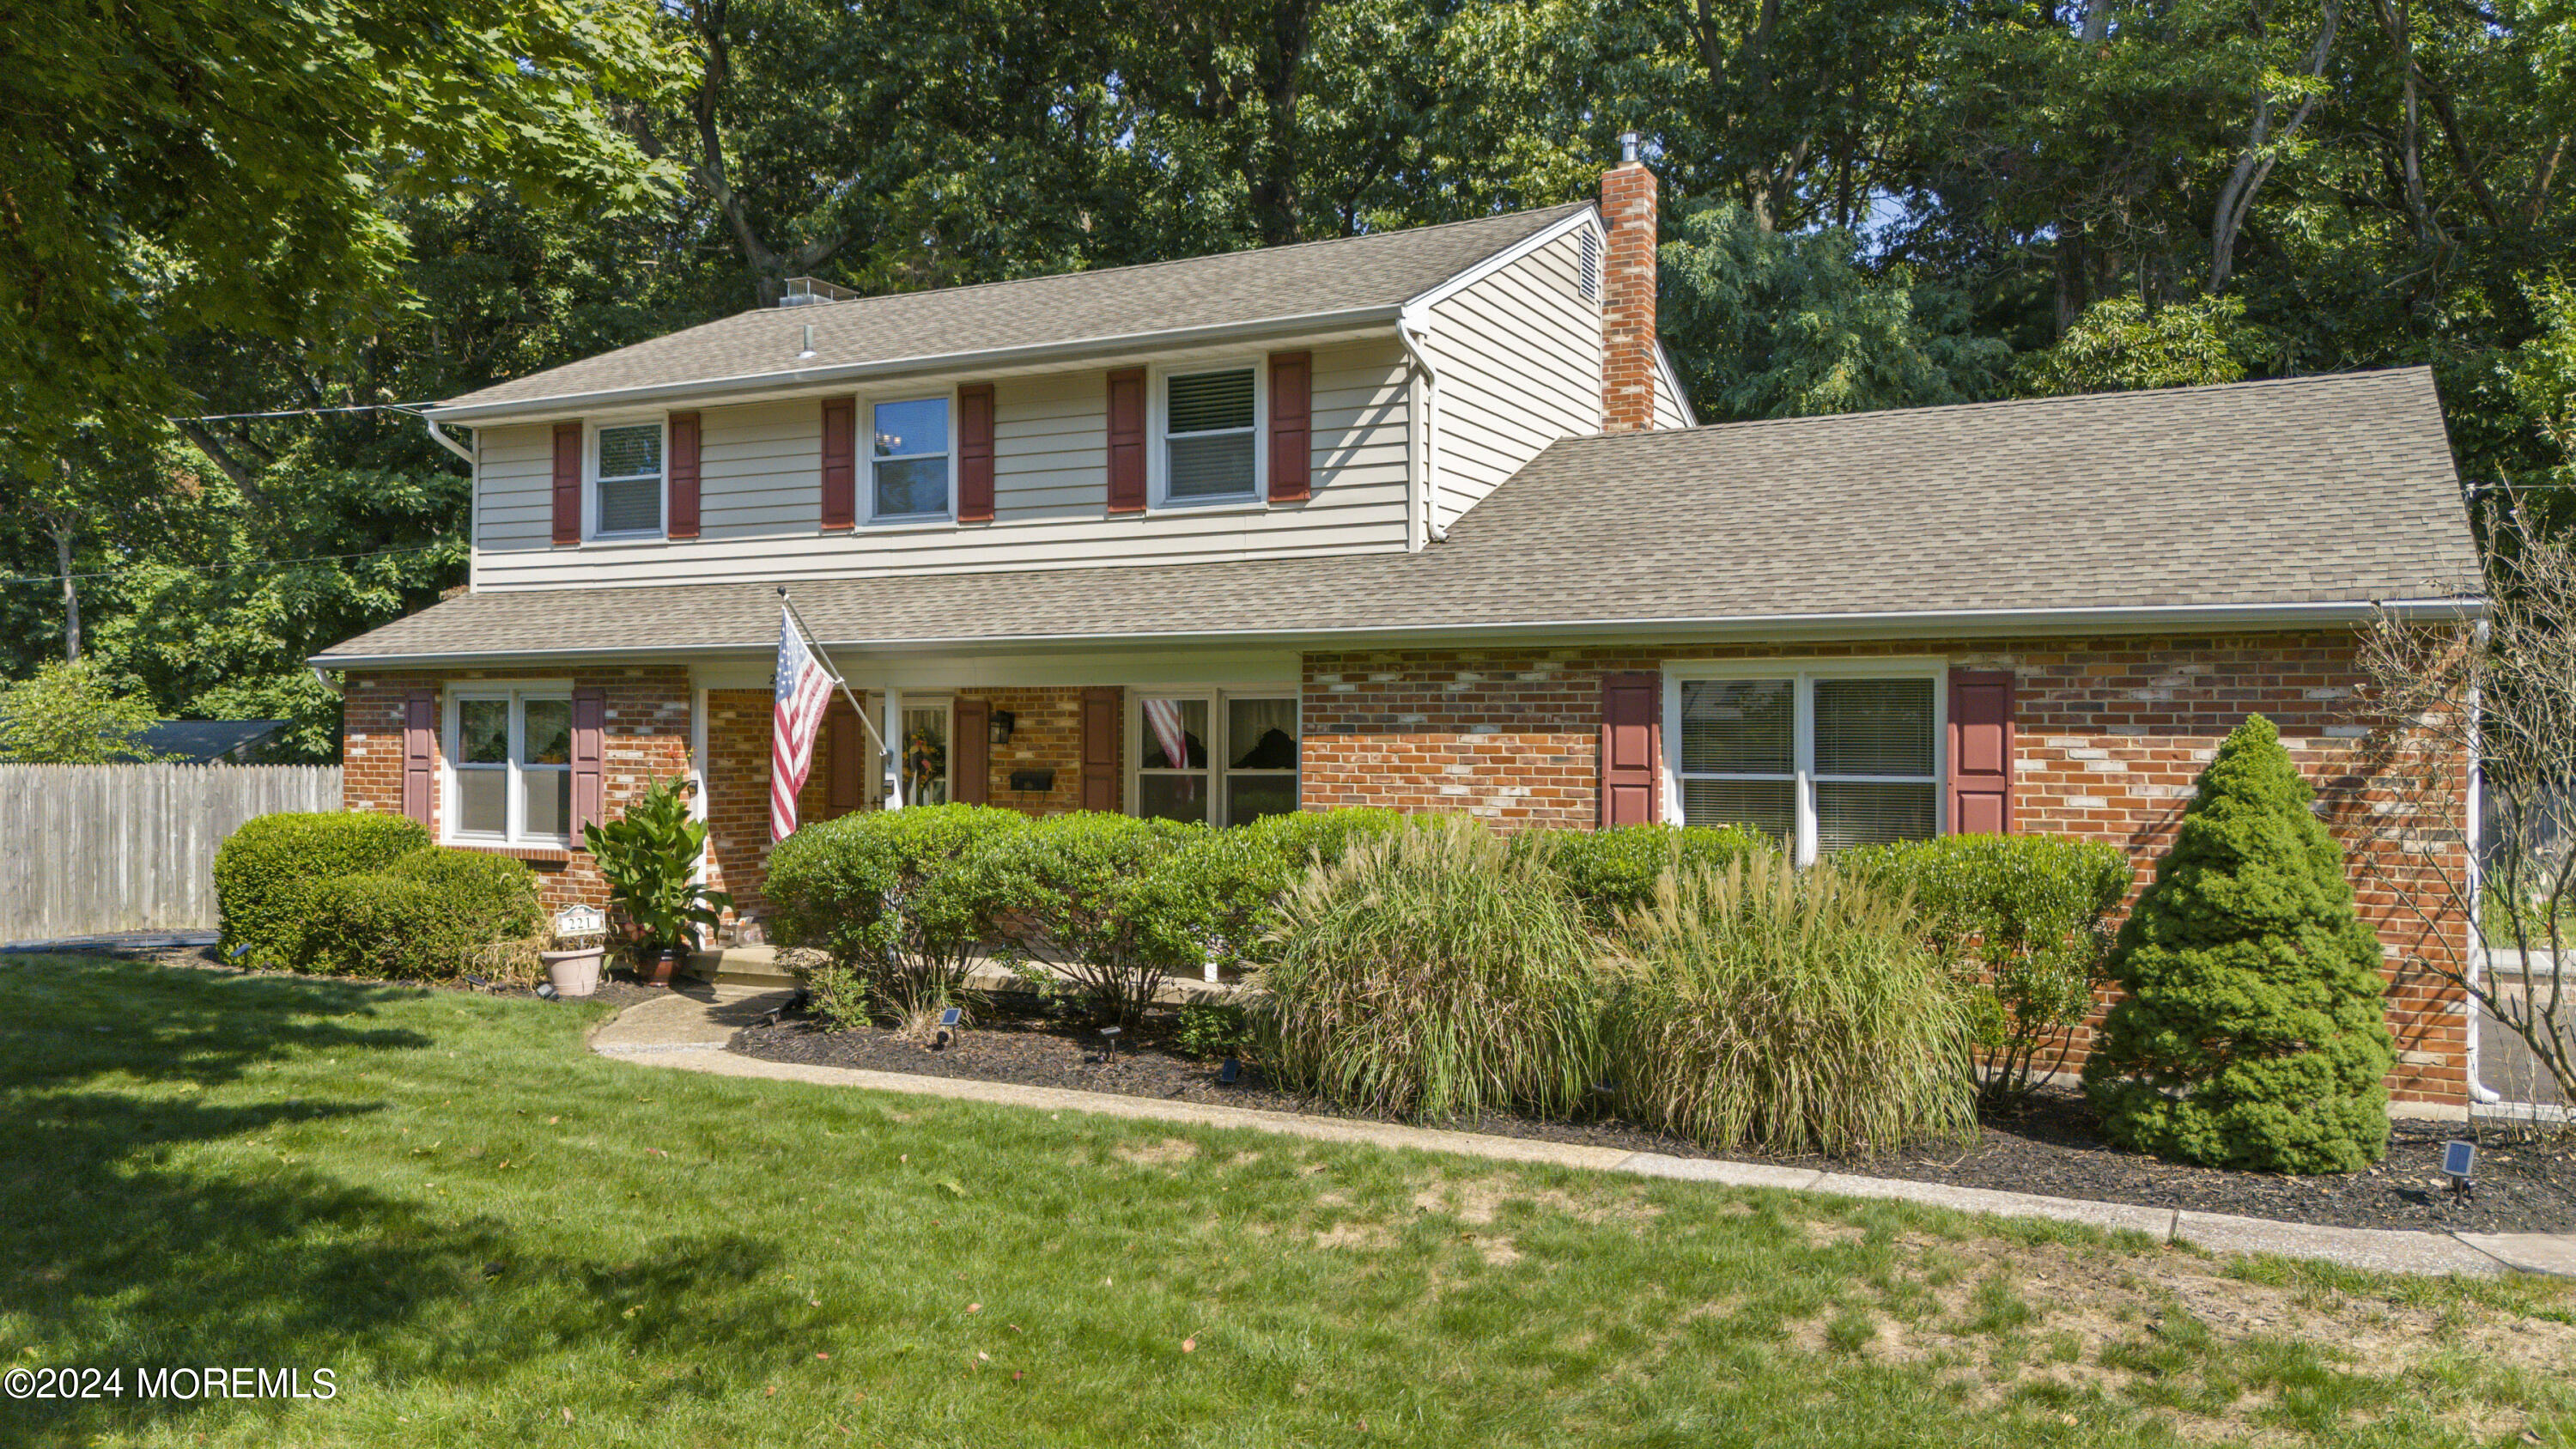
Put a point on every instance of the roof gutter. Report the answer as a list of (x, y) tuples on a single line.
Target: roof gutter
[(1767, 626), (439, 436), (1037, 352)]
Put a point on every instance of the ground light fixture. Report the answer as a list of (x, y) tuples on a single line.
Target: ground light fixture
[(948, 1027), (1229, 1072), (1108, 1044), (2460, 1162)]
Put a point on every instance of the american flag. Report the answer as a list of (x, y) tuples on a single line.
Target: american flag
[(804, 691)]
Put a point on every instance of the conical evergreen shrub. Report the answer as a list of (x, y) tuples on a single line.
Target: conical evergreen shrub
[(2252, 1034)]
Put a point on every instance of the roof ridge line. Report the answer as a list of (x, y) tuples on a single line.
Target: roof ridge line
[(2001, 403), (1148, 266)]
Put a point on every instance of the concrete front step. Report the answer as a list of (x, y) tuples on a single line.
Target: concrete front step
[(759, 966)]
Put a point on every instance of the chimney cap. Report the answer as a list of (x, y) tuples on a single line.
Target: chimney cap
[(1627, 148)]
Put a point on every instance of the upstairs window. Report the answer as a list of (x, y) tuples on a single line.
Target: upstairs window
[(1209, 424), (909, 459), (627, 462), (1818, 761), (512, 754)]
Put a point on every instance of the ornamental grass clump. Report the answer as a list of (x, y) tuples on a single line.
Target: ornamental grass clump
[(1430, 973), (2252, 1034), (1769, 1008)]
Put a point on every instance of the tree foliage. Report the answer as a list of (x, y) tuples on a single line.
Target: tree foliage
[(2252, 1033), (71, 714), (221, 209)]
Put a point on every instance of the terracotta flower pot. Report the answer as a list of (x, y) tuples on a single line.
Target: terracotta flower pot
[(572, 973), (656, 965)]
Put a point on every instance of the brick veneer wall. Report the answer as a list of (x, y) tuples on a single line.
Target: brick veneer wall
[(646, 739), (2110, 735)]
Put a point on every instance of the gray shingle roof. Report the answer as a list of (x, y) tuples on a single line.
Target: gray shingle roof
[(1312, 279), (2326, 490)]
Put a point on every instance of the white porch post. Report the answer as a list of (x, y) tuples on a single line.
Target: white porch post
[(893, 736)]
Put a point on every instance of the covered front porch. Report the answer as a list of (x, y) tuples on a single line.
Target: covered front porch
[(1212, 738)]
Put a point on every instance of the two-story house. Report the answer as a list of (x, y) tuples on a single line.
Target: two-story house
[(1417, 519)]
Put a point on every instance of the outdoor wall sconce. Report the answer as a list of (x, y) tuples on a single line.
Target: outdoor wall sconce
[(1003, 719)]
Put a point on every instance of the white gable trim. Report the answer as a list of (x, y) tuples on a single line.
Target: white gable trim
[(1417, 312), (1669, 380)]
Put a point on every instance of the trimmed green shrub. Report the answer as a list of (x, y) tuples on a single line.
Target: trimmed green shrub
[(838, 993), (1212, 1032), (1072, 893), (1762, 1006), (421, 918), (874, 892), (1432, 973), (2253, 1034), (1615, 870), (2021, 921), (1219, 894), (266, 872)]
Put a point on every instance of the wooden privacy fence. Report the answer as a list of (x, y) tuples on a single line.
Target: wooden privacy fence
[(88, 849)]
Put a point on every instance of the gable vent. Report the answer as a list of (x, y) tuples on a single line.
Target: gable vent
[(1587, 272)]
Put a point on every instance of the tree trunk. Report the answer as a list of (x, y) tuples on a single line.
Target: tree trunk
[(71, 593), (2236, 198), (2097, 21)]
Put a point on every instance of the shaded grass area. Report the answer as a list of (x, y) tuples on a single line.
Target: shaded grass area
[(490, 1235)]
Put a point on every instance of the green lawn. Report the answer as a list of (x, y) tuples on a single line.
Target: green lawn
[(489, 1235)]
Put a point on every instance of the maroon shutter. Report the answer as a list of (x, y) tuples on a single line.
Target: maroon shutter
[(1127, 440), (1101, 708), (970, 753), (975, 453), (840, 462), (420, 755), (1292, 390), (845, 774), (1632, 708), (589, 754), (684, 475), (1981, 752), (567, 482)]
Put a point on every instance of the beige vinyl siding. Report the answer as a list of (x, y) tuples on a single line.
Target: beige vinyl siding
[(1519, 353), (760, 494), (1668, 408)]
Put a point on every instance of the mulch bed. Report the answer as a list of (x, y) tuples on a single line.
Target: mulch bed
[(2053, 1148)]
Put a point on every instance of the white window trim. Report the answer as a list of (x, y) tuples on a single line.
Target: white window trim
[(868, 406), (1805, 673), (1220, 748), (1157, 453), (451, 760), (590, 480)]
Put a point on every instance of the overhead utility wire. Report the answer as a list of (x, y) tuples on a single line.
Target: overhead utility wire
[(240, 565), (306, 412)]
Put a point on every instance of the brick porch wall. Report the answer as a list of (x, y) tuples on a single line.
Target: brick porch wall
[(646, 739), (2110, 735)]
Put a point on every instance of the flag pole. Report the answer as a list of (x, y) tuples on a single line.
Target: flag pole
[(857, 706)]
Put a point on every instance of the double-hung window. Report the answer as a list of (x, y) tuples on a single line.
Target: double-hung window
[(1821, 759), (1211, 422), (908, 459), (511, 754), (1219, 759), (626, 466)]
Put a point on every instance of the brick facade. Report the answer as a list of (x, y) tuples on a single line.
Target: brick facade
[(2111, 734), (646, 738)]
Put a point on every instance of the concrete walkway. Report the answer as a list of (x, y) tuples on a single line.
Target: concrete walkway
[(689, 1028)]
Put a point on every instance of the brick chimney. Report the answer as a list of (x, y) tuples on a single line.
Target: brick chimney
[(1628, 294)]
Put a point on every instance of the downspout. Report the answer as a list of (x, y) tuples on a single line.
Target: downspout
[(439, 436), (1404, 332), (2479, 1092)]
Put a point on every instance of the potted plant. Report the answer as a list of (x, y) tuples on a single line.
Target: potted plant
[(649, 857), (579, 941)]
